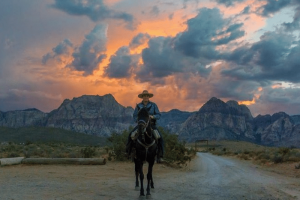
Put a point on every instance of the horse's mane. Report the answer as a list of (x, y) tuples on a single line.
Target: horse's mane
[(143, 112)]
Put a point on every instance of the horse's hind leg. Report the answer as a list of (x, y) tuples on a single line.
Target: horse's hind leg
[(140, 163), (136, 176), (152, 183), (149, 178)]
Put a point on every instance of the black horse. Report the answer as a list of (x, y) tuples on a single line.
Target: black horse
[(146, 150)]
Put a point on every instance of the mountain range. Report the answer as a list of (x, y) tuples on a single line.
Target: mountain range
[(215, 120)]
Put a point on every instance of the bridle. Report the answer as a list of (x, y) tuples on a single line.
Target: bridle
[(147, 146)]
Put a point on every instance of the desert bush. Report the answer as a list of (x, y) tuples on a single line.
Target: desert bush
[(88, 152), (118, 142), (246, 152), (244, 156), (277, 159), (13, 154), (175, 150), (284, 150)]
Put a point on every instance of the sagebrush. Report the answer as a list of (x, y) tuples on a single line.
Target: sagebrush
[(175, 150)]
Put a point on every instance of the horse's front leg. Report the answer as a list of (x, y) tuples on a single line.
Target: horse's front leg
[(136, 175), (141, 177), (149, 179)]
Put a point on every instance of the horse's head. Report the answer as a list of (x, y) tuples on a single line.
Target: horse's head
[(143, 119)]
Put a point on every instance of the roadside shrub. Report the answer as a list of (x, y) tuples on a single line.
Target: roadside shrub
[(13, 155), (118, 142), (284, 150), (244, 157), (277, 159), (175, 150), (246, 152), (88, 152)]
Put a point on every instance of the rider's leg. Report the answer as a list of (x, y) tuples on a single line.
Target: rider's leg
[(129, 142), (160, 144)]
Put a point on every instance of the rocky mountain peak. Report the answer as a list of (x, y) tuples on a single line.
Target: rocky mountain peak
[(278, 115), (214, 105)]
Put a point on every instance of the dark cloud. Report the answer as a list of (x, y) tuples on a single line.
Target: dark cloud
[(121, 64), (139, 39), (64, 48), (274, 58), (228, 3), (274, 100), (91, 52), (204, 34), (295, 24), (191, 51), (96, 10), (239, 90), (161, 60), (26, 97), (273, 6), (246, 10), (87, 56)]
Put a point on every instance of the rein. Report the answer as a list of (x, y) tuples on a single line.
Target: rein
[(146, 146)]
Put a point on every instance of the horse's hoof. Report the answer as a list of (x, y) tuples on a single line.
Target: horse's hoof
[(148, 196), (137, 188)]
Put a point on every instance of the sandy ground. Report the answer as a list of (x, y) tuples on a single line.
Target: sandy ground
[(207, 177)]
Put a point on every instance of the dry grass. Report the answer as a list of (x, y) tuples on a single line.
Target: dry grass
[(49, 150), (249, 151)]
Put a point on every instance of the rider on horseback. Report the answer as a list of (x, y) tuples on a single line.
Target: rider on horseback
[(154, 115)]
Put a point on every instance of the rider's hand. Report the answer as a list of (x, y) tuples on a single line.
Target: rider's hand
[(151, 116)]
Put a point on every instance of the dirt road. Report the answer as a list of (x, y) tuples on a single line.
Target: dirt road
[(207, 177)]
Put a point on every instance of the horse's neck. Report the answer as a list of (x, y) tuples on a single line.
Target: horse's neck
[(148, 136)]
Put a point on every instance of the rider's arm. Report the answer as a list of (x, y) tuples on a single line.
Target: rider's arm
[(156, 113), (135, 113)]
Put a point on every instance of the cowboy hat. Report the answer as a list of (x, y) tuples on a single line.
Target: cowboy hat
[(145, 92)]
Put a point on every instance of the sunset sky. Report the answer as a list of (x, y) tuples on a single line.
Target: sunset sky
[(183, 51)]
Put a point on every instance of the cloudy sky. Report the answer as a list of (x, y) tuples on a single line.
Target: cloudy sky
[(183, 51)]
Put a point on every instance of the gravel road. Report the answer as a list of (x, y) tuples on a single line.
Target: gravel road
[(207, 177)]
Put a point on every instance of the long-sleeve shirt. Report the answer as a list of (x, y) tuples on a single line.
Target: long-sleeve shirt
[(151, 107)]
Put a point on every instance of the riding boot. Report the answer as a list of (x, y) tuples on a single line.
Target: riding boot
[(129, 147), (160, 152)]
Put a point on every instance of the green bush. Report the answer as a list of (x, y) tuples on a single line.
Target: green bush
[(118, 145), (277, 159), (88, 152), (175, 150)]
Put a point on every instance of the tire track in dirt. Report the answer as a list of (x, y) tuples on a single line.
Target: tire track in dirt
[(207, 177)]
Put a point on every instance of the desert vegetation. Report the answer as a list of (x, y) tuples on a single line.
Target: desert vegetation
[(58, 143), (175, 150), (49, 150), (256, 153)]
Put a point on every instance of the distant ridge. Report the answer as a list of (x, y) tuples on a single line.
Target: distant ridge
[(215, 120)]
